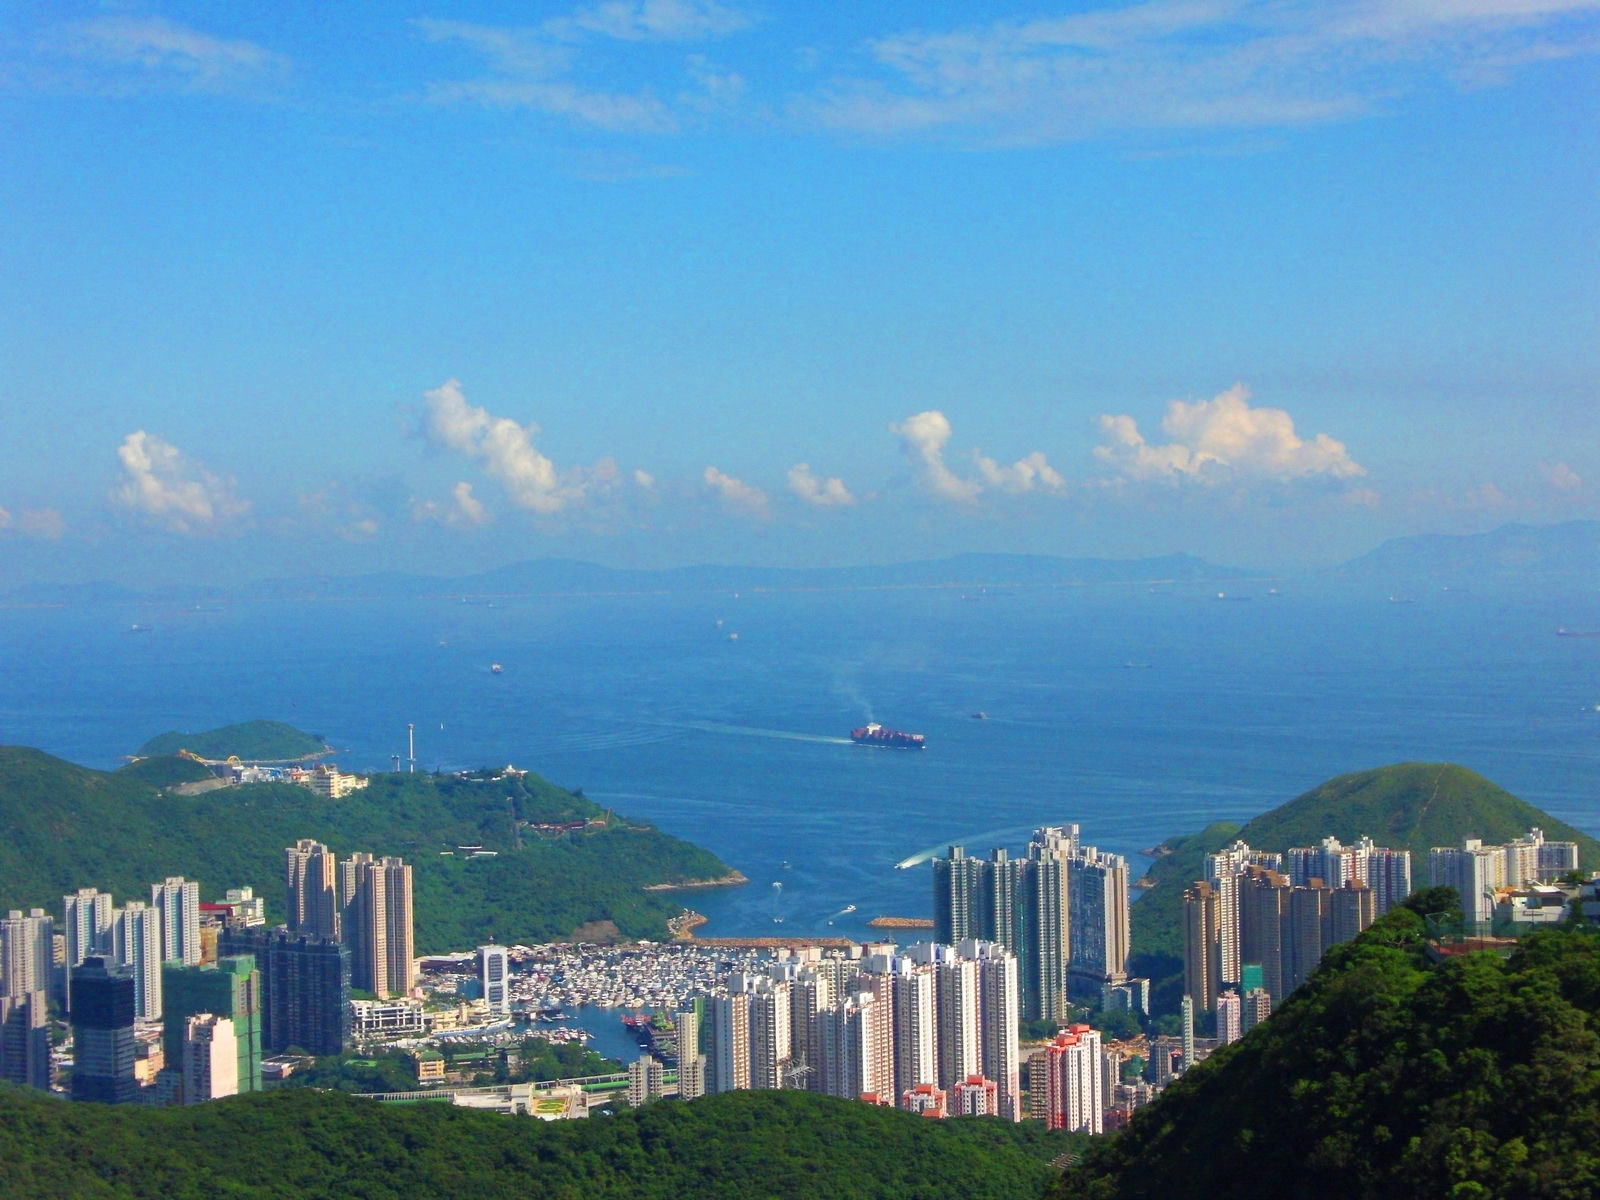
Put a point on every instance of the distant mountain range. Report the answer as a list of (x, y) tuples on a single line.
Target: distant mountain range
[(1512, 553)]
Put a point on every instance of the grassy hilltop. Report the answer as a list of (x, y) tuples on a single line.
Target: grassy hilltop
[(1408, 806), (68, 827)]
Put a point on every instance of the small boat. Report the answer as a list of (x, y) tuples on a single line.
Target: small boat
[(980, 715), (496, 669)]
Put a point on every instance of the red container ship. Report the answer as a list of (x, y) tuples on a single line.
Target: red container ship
[(887, 739)]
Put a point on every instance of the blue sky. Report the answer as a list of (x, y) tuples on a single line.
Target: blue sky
[(652, 282)]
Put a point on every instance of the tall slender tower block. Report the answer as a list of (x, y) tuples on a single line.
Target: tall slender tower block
[(177, 902), (310, 872)]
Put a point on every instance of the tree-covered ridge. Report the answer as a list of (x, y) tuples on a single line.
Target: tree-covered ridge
[(738, 1146), (1387, 1075), (1408, 806), (264, 741), (69, 827)]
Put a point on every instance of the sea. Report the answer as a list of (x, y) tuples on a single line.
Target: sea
[(1138, 712)]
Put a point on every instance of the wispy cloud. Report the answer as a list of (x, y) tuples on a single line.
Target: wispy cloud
[(819, 493), (538, 66), (1190, 64), (1221, 440), (135, 53), (655, 20), (180, 495), (504, 449), (736, 495), (1561, 477), (44, 523)]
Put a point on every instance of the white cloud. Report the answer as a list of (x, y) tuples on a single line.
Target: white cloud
[(822, 493), (505, 451), (1025, 475), (923, 437), (180, 495), (464, 510), (155, 51), (1188, 64), (1561, 477), (468, 509), (1223, 439), (735, 494), (644, 480)]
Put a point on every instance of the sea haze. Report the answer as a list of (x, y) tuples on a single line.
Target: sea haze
[(1137, 712)]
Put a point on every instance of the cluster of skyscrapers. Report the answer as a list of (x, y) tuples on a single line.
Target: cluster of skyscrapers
[(1477, 871), (112, 968), (1260, 922), (932, 1029), (363, 902), (221, 986), (1062, 909)]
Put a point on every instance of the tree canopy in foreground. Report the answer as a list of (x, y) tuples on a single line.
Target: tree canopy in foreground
[(309, 1144), (1388, 1075)]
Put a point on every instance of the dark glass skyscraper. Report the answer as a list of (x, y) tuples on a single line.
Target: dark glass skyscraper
[(305, 988), (102, 1033)]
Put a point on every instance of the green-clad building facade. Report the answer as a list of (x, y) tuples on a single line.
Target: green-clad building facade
[(232, 989)]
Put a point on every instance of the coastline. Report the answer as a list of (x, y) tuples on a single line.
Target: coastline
[(731, 879)]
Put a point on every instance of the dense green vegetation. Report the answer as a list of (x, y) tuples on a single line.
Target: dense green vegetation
[(316, 1144), (1387, 1075), (69, 827), (1409, 806), (261, 741)]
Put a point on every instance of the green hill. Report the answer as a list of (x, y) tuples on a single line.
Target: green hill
[(69, 827), (253, 741), (1384, 1076), (738, 1146), (1408, 806)]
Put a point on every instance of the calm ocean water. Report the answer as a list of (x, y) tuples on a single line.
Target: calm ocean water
[(1137, 714)]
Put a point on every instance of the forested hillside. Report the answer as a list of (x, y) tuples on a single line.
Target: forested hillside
[(69, 827), (1387, 1075), (298, 1144)]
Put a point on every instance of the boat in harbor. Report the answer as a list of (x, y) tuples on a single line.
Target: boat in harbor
[(873, 734)]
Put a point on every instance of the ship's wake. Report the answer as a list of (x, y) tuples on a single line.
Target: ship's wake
[(755, 731), (972, 839)]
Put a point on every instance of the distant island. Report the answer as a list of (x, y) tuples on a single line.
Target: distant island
[(497, 854), (251, 741)]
